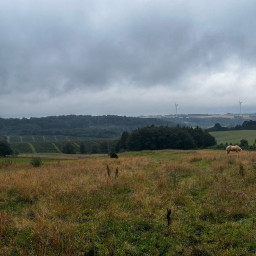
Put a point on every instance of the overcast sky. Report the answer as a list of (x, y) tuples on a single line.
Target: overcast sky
[(127, 57)]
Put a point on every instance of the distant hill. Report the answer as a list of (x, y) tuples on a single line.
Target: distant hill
[(86, 126), (208, 121)]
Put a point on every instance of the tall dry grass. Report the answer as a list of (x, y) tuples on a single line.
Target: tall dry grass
[(75, 208)]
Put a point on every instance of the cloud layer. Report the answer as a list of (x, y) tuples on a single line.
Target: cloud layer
[(126, 57)]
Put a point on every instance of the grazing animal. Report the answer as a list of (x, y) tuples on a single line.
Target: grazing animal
[(113, 155), (233, 148)]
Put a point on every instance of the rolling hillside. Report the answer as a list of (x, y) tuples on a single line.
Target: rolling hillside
[(74, 126)]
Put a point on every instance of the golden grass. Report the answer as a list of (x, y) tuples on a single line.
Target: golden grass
[(75, 208)]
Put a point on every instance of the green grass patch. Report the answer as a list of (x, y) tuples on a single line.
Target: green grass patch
[(10, 160), (12, 202), (160, 154), (234, 137)]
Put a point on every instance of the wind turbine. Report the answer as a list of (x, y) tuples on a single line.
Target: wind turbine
[(240, 106), (176, 108)]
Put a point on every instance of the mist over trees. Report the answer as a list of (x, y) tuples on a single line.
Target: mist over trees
[(164, 137)]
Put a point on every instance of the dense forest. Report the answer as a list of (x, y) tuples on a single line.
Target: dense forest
[(163, 137), (109, 126)]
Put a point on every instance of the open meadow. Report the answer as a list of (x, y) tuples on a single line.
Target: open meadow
[(103, 206), (234, 136)]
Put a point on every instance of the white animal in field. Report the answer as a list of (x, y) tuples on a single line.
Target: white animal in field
[(233, 148)]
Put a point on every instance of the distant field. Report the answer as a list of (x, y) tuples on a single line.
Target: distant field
[(234, 137), (90, 146), (41, 138)]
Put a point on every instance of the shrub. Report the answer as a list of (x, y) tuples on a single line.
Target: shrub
[(5, 149), (36, 162), (244, 143)]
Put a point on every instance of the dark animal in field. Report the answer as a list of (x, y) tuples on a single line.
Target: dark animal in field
[(233, 148), (113, 155)]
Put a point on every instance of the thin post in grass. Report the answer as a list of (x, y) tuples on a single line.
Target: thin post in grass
[(116, 173), (253, 223), (108, 171), (241, 170), (168, 216)]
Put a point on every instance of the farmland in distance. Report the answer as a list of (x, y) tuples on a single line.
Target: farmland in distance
[(234, 136)]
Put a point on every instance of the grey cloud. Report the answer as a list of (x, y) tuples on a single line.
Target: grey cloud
[(58, 46)]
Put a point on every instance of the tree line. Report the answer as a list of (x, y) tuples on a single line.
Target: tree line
[(164, 137), (150, 137), (107, 126), (246, 125)]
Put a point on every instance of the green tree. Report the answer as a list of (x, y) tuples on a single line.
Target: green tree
[(244, 143), (5, 149), (185, 140), (82, 148), (122, 144), (208, 139), (95, 149), (69, 148), (104, 147)]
